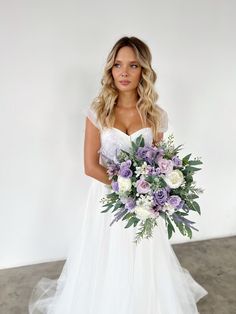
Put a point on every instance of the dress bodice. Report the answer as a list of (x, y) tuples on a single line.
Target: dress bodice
[(113, 140)]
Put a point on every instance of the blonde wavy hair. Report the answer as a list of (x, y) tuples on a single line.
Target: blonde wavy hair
[(105, 102)]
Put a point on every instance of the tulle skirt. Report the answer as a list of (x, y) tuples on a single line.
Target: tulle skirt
[(107, 273)]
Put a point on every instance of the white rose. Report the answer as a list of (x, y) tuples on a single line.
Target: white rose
[(143, 212), (174, 179), (124, 184)]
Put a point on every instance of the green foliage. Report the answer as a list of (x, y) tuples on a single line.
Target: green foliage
[(132, 221), (117, 205), (170, 227), (128, 215), (185, 230), (145, 229)]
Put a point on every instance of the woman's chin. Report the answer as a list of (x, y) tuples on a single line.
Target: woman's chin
[(123, 88)]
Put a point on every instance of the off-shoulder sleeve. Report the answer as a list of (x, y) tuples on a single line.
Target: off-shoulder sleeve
[(91, 114), (164, 121)]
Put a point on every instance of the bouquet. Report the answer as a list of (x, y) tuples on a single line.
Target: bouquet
[(150, 183)]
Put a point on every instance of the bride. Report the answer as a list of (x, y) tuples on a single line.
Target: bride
[(105, 271)]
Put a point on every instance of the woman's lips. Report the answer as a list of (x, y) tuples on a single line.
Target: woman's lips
[(124, 82)]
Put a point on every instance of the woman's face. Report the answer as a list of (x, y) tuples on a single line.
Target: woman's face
[(126, 70)]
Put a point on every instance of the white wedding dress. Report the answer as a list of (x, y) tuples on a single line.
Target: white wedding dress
[(106, 272)]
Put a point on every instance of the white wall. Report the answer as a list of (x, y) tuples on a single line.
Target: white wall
[(51, 61)]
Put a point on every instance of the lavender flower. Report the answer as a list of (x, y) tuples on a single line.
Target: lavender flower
[(112, 169), (158, 171), (151, 170)]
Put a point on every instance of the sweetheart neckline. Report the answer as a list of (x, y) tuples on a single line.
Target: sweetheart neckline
[(129, 135)]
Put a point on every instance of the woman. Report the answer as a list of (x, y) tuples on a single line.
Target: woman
[(106, 272)]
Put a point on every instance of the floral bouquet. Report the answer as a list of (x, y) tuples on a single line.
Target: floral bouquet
[(151, 183)]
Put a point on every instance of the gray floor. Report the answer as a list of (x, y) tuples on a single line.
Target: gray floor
[(212, 263)]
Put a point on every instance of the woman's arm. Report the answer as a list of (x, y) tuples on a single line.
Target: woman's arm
[(92, 144)]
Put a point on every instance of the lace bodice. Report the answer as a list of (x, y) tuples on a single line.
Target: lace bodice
[(113, 139)]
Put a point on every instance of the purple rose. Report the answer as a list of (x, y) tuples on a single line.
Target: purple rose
[(130, 204), (159, 153), (150, 155), (160, 150), (177, 161), (181, 204), (174, 200), (126, 164), (160, 196), (146, 153), (142, 186), (125, 172), (141, 152), (165, 165), (115, 186)]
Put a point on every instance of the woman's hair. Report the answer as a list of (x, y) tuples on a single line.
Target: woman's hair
[(104, 103)]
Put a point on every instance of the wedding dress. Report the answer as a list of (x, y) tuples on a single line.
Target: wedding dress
[(105, 271)]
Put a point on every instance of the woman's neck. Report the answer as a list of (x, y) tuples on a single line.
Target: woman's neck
[(127, 100)]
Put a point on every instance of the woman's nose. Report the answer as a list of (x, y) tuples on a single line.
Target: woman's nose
[(124, 70)]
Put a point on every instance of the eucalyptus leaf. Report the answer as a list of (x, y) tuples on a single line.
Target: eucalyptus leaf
[(130, 222), (186, 158), (195, 162), (105, 210), (128, 215), (169, 229), (196, 207), (189, 231)]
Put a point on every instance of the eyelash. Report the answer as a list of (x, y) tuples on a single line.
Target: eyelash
[(136, 66)]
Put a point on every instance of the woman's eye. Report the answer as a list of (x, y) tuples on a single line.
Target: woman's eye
[(117, 65)]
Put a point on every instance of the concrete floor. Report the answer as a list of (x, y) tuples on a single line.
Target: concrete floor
[(212, 263)]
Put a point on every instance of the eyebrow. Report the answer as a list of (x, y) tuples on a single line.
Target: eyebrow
[(134, 61)]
